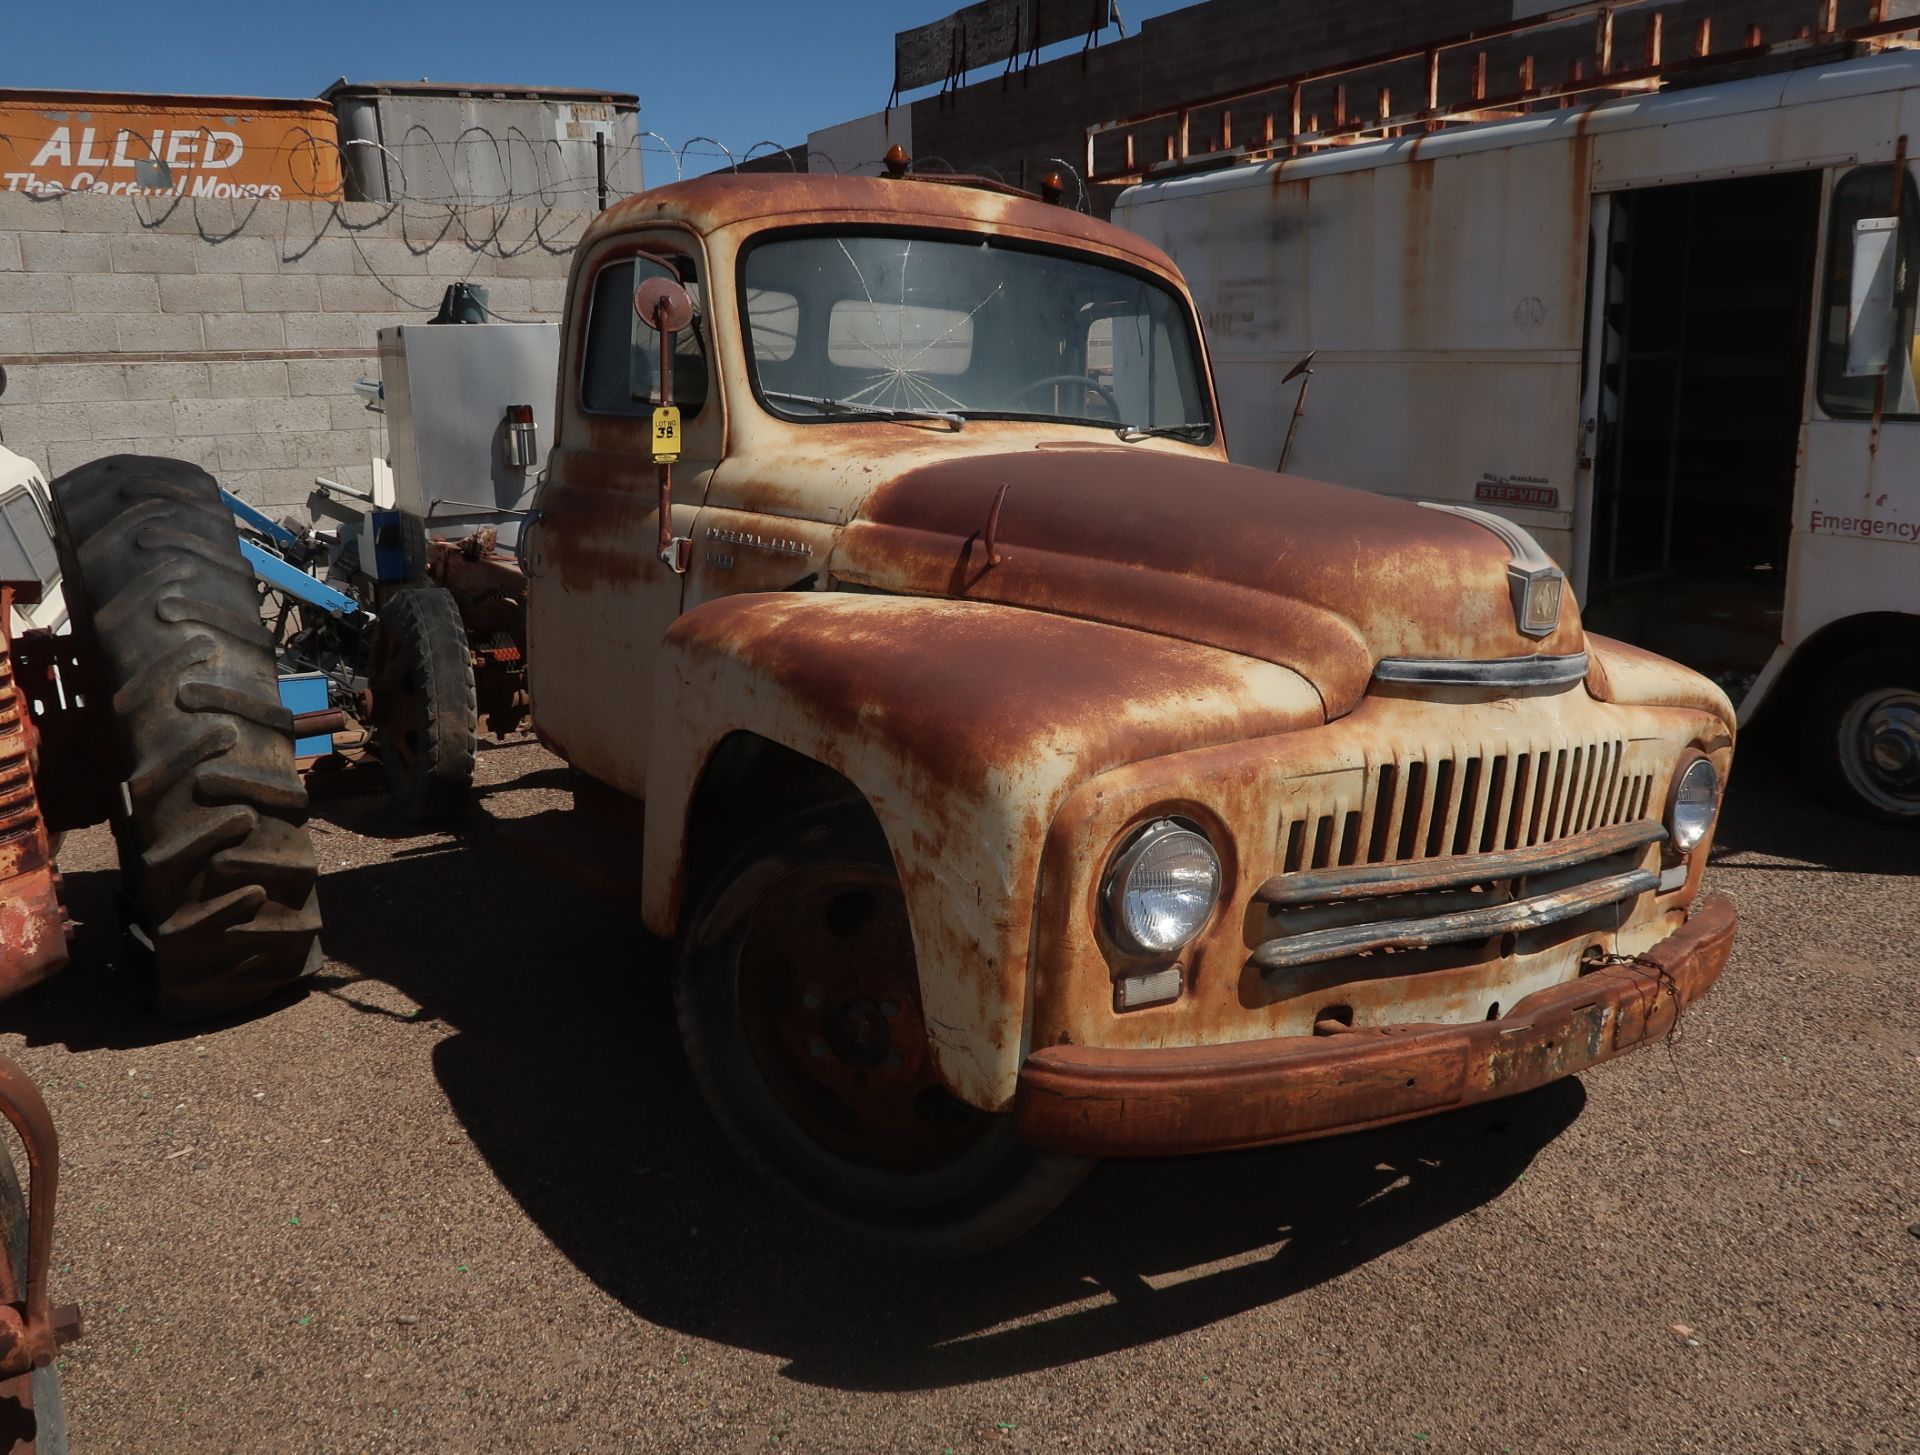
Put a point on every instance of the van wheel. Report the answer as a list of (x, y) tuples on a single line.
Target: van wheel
[(1864, 729), (46, 1425), (799, 1005), (218, 870), (423, 703)]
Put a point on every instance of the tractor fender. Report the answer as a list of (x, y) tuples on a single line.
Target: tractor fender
[(965, 726)]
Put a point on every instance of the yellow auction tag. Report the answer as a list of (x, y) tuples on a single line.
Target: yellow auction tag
[(666, 434)]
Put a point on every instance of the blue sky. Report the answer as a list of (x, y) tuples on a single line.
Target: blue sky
[(738, 72)]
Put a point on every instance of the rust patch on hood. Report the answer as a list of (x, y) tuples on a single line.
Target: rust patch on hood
[(1320, 579)]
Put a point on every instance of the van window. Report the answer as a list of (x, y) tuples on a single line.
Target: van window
[(621, 371), (1867, 192)]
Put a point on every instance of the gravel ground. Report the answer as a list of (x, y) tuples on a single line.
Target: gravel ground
[(462, 1197)]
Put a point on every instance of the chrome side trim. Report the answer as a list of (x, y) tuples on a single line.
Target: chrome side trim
[(1496, 672), (1313, 946)]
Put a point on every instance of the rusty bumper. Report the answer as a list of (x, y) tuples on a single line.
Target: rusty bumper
[(1133, 1103)]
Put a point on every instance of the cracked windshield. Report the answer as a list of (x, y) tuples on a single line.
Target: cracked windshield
[(840, 326)]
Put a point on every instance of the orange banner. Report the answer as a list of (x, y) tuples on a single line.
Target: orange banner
[(154, 146)]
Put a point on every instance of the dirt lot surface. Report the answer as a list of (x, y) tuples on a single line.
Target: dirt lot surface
[(462, 1197)]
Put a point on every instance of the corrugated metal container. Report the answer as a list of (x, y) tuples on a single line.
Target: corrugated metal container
[(192, 146), (485, 145)]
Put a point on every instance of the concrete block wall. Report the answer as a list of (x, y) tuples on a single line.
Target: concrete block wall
[(231, 333)]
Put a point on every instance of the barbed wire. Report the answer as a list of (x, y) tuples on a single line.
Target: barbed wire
[(523, 176)]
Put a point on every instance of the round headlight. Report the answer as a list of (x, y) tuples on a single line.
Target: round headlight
[(1696, 798), (1162, 887)]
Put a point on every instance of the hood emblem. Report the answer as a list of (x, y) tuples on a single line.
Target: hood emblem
[(1536, 584)]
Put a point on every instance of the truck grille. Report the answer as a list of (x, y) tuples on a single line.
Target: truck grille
[(1422, 806)]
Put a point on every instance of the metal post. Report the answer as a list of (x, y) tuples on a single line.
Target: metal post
[(600, 165)]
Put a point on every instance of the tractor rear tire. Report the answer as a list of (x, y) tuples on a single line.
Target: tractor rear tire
[(424, 703), (220, 876)]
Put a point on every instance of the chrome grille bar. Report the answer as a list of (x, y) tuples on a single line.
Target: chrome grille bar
[(1361, 881), (1421, 933)]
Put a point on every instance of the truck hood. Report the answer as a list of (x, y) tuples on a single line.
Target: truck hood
[(1317, 578)]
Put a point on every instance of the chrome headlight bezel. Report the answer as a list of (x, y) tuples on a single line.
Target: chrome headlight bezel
[(1693, 804), (1146, 846)]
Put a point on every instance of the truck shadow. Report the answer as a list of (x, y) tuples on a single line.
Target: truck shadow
[(1772, 814), (567, 1073)]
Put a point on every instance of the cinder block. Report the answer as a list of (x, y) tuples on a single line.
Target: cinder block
[(540, 258), (66, 383), (274, 293), (351, 413), (199, 216), (330, 376), (350, 293), (276, 490), (188, 293), (66, 252), (105, 292), (16, 333), (74, 333), (333, 330), (309, 412), (160, 333), (130, 419), (391, 257), (147, 252), (10, 260), (70, 456), (32, 212), (248, 379), (245, 330), (167, 381), (194, 417), (245, 452), (241, 254), (549, 298), (310, 254), (35, 293), (44, 424)]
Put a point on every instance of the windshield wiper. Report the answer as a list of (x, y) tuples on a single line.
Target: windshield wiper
[(877, 411), (1131, 432)]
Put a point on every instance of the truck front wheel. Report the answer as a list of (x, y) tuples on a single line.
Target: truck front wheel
[(1864, 729), (800, 1008)]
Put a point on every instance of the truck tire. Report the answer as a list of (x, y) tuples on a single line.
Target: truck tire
[(219, 873), (799, 1006), (424, 704), (1863, 727), (49, 1419)]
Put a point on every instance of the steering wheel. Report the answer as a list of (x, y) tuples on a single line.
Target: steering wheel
[(1091, 385)]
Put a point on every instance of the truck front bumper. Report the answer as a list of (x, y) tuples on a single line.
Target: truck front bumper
[(1152, 1103)]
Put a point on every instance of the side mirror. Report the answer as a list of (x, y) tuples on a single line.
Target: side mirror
[(1870, 308), (663, 305)]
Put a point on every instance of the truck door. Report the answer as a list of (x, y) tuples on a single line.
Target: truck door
[(603, 599)]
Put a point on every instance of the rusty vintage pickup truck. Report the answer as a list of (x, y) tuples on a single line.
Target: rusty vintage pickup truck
[(1023, 783)]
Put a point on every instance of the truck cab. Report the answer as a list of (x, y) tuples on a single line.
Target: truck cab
[(1021, 782)]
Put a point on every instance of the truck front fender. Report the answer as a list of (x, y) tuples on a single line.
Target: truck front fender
[(965, 726)]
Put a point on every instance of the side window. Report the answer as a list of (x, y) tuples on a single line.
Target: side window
[(621, 371), (1862, 193)]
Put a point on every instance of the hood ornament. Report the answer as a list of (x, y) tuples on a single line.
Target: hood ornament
[(1538, 586)]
